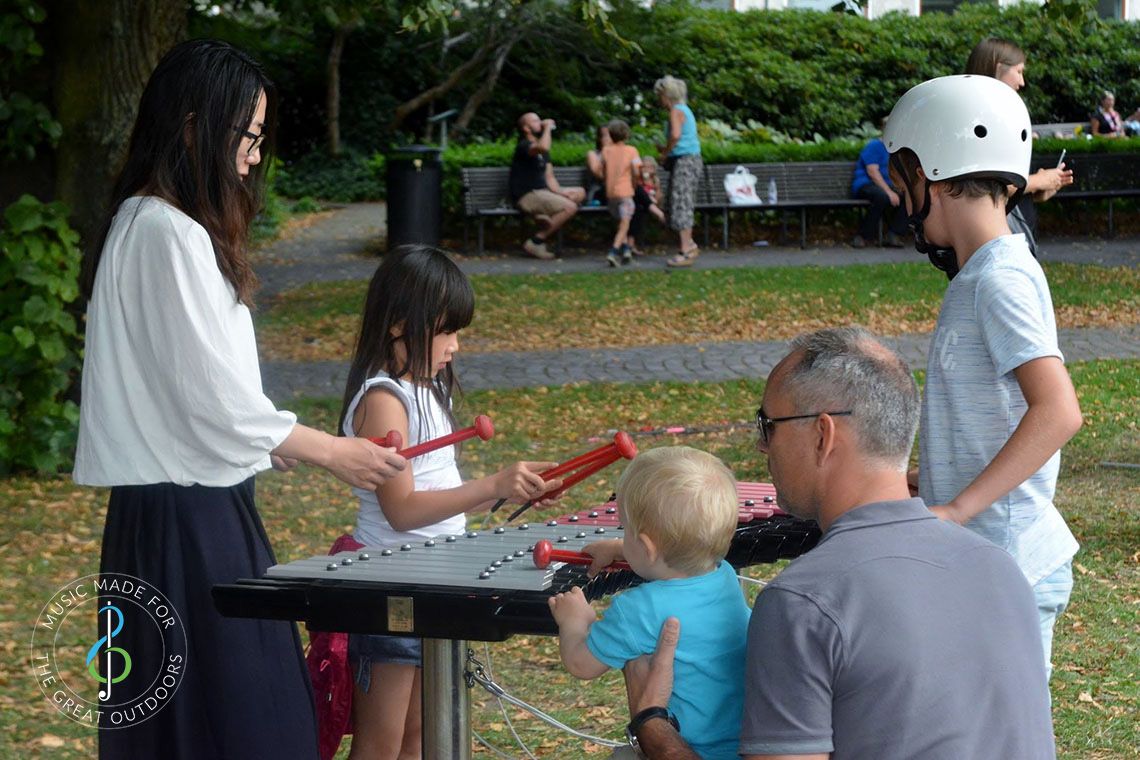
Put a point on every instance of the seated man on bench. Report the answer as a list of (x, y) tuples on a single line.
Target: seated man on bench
[(872, 183), (533, 187)]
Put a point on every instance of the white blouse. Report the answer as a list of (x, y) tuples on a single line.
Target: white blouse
[(171, 384)]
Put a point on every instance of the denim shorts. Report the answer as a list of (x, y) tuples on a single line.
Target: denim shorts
[(365, 649)]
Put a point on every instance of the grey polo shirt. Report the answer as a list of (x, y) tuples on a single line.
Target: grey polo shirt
[(899, 636)]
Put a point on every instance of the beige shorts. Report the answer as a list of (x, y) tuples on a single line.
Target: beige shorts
[(545, 202)]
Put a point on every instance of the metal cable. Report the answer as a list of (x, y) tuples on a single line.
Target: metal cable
[(479, 674)]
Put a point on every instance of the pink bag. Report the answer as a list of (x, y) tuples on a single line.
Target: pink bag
[(331, 674)]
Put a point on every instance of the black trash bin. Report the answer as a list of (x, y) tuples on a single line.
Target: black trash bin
[(414, 176)]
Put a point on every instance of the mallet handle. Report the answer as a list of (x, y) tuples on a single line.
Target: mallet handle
[(482, 428), (545, 553)]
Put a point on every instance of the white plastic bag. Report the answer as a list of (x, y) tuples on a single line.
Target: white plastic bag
[(740, 187)]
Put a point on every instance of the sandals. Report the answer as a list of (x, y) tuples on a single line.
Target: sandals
[(684, 258)]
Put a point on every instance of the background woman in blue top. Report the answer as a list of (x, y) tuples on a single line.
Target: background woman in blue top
[(681, 155)]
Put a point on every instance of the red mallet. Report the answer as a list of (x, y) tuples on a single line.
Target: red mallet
[(482, 428), (622, 446), (545, 553)]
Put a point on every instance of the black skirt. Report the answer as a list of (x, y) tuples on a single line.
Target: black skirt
[(245, 690)]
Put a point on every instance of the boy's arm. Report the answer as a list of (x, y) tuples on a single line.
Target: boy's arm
[(1052, 418), (574, 616), (603, 553)]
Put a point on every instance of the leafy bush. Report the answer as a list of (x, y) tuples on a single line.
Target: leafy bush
[(39, 340), (347, 178), (796, 73)]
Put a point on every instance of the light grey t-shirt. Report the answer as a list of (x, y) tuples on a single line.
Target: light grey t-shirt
[(899, 636), (997, 315)]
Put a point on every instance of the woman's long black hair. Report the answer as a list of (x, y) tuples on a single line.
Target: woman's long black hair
[(184, 145), (416, 292)]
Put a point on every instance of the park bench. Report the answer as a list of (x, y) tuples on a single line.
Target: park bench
[(1097, 176), (800, 186), (486, 193)]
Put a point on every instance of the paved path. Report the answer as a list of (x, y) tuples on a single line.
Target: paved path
[(711, 362), (343, 246)]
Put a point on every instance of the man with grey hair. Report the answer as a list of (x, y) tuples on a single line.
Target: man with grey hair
[(900, 635)]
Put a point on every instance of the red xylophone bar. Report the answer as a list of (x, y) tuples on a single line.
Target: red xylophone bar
[(622, 446), (621, 440), (482, 428), (545, 553)]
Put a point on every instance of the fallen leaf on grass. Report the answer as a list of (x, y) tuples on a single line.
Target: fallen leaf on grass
[(1084, 696), (51, 741)]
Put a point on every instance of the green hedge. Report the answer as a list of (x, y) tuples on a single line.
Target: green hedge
[(368, 172)]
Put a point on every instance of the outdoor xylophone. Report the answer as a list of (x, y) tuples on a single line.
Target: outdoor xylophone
[(481, 586)]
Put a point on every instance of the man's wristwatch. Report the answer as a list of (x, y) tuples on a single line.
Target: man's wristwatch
[(643, 717)]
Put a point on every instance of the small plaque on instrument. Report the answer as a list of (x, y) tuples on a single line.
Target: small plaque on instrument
[(401, 618)]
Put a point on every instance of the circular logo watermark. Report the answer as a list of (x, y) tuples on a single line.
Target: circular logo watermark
[(108, 650)]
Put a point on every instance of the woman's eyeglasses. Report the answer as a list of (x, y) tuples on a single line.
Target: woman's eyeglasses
[(766, 424), (258, 139)]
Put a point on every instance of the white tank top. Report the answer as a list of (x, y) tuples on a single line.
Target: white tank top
[(433, 471)]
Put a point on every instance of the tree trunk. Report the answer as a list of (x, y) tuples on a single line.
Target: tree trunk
[(104, 51), (332, 97)]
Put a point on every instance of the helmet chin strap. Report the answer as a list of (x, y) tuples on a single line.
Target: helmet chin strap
[(943, 259)]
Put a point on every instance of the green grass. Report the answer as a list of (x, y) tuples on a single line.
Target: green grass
[(50, 531), (318, 321)]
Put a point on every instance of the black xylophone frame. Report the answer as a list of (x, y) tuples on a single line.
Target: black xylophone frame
[(498, 592)]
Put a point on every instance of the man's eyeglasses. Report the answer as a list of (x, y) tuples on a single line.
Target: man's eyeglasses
[(766, 424), (258, 139)]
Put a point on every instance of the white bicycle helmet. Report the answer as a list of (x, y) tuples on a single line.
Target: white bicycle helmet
[(960, 127), (963, 126)]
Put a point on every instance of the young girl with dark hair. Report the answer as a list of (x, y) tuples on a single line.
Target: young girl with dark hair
[(174, 420), (401, 379)]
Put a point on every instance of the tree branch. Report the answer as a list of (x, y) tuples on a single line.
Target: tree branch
[(407, 108), (480, 95)]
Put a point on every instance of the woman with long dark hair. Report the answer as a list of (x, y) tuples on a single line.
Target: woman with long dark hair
[(174, 420)]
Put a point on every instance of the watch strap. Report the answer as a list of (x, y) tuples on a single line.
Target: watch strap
[(648, 714)]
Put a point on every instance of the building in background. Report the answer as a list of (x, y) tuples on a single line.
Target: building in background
[(1128, 10)]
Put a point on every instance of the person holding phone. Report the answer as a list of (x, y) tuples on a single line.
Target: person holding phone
[(1005, 61)]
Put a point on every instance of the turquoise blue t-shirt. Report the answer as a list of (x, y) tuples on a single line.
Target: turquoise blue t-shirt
[(689, 144), (708, 674)]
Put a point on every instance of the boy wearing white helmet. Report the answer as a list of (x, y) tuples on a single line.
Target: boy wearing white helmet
[(998, 403)]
